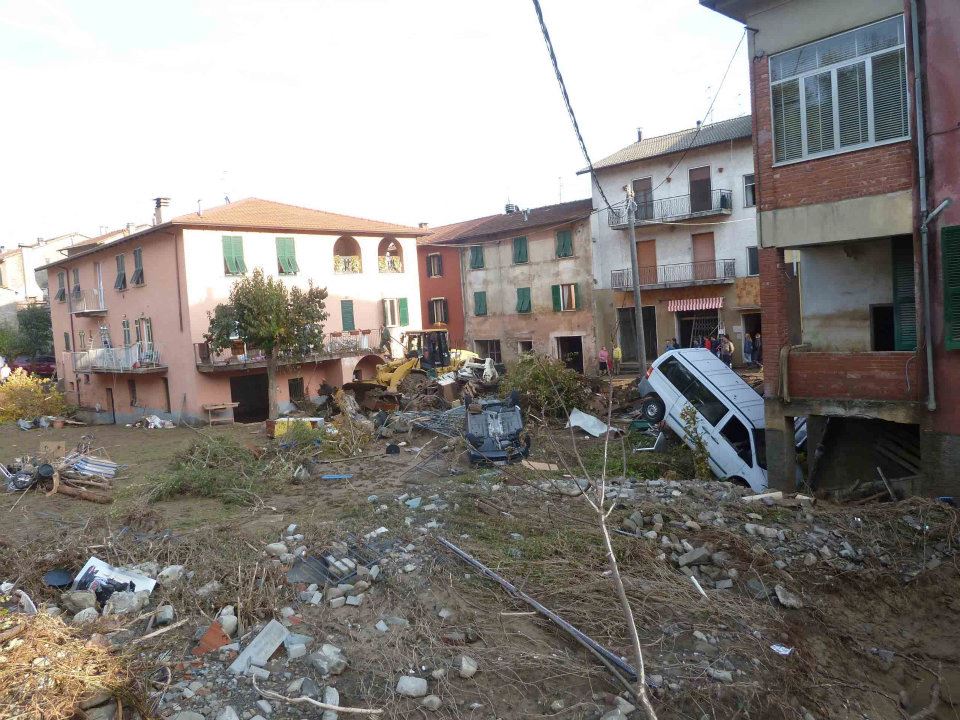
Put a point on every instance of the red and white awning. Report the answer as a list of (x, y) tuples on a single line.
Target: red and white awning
[(694, 304)]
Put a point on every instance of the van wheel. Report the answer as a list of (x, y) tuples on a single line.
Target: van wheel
[(653, 409), (737, 480)]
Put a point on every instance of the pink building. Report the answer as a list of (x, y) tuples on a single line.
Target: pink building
[(129, 316)]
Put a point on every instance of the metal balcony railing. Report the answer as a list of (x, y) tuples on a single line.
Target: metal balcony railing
[(679, 207), (335, 344), (389, 264), (89, 302), (140, 357), (689, 273)]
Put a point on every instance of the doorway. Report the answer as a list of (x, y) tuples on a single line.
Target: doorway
[(570, 351), (625, 318), (696, 324), (250, 392), (882, 328), (751, 327), (700, 189), (113, 409)]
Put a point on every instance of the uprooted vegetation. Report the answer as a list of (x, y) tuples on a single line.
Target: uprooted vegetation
[(29, 396), (546, 386)]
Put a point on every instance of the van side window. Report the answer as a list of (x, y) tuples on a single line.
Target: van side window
[(697, 394), (736, 434)]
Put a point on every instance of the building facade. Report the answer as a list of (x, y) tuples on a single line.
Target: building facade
[(19, 285), (129, 327), (526, 284), (840, 183), (695, 224)]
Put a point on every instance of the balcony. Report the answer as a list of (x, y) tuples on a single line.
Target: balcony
[(240, 357), (87, 303), (139, 359), (673, 209), (706, 272)]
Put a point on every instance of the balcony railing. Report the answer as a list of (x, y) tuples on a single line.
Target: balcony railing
[(679, 207), (347, 264), (240, 357), (390, 264), (88, 302), (142, 357), (691, 273)]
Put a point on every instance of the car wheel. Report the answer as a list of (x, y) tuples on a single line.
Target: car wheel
[(737, 480), (653, 409)]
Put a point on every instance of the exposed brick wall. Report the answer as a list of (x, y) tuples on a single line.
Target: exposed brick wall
[(775, 314), (890, 376), (874, 171)]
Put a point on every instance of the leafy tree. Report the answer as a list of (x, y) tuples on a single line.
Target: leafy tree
[(284, 323), (9, 340), (36, 331)]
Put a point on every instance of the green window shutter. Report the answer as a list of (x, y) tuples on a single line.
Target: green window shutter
[(439, 266), (287, 256), (480, 303), (431, 312), (238, 254), (564, 243), (346, 313), (555, 291), (523, 300), (519, 250), (950, 257), (233, 255), (904, 300), (476, 257), (404, 311), (576, 296)]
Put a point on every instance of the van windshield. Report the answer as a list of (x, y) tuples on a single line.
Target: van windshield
[(760, 442)]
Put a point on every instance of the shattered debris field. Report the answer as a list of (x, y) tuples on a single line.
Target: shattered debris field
[(289, 577)]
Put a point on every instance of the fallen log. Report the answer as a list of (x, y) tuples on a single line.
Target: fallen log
[(84, 494)]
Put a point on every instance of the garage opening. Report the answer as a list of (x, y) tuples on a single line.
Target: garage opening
[(250, 392), (570, 351)]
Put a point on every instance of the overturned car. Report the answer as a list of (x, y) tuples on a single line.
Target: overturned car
[(494, 430)]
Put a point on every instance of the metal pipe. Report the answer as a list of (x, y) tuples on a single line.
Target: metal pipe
[(639, 340), (922, 180)]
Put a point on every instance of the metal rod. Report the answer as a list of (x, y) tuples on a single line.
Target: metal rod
[(607, 655)]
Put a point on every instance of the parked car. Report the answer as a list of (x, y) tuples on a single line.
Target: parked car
[(43, 365), (729, 412)]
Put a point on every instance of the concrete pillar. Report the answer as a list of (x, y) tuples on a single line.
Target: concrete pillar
[(775, 315), (939, 459), (816, 426), (781, 451)]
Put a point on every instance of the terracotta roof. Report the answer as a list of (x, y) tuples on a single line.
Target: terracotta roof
[(106, 237), (521, 221), (263, 214), (446, 233), (734, 129)]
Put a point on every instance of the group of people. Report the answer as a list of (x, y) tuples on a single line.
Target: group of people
[(604, 358), (722, 346)]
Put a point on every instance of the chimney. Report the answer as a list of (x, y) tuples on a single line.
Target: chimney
[(510, 208), (158, 205), (423, 226), (639, 134)]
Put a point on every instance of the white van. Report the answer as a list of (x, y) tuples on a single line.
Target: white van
[(729, 412)]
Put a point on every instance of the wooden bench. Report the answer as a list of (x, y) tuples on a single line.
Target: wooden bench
[(212, 408)]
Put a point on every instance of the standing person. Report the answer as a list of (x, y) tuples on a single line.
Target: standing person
[(726, 351), (617, 358), (604, 360), (4, 372), (758, 351), (707, 343), (748, 349)]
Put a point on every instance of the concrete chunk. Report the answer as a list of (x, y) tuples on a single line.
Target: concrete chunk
[(258, 652), (697, 556), (410, 686)]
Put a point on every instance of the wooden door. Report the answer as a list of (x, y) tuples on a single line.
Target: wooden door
[(700, 190), (643, 196), (647, 261), (704, 257)]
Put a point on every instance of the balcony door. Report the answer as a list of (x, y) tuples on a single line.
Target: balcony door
[(700, 189), (704, 257), (647, 261), (643, 196), (99, 273)]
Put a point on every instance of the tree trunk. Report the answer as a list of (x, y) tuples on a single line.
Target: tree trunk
[(273, 406)]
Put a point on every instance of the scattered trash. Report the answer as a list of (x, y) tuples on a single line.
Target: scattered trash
[(152, 422), (104, 579), (542, 466), (589, 424), (58, 578), (260, 649), (346, 476), (781, 650)]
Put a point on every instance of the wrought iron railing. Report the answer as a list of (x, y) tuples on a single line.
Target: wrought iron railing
[(390, 264), (88, 301), (673, 208), (347, 264), (140, 356), (676, 274)]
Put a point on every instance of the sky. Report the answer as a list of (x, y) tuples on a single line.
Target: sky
[(406, 111)]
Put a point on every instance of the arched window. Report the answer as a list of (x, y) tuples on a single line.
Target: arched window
[(390, 256), (346, 255)]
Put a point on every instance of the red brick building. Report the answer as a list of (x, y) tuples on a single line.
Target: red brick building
[(838, 144)]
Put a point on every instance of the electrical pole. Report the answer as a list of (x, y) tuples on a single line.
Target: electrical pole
[(631, 207)]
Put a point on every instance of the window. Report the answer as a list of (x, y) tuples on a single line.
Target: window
[(295, 389), (434, 265), (697, 394), (950, 259), (488, 349), (882, 333), (753, 260), (76, 283), (749, 191), (147, 329), (523, 300), (480, 303), (519, 250), (390, 256), (437, 310), (121, 282), (66, 341), (564, 243), (566, 297), (346, 256), (286, 256), (233, 255), (904, 297), (346, 315), (737, 435), (61, 287), (83, 340), (524, 346), (132, 390), (127, 340), (137, 278), (841, 93), (395, 312), (476, 257)]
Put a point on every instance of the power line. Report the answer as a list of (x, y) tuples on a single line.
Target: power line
[(709, 109), (566, 100)]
